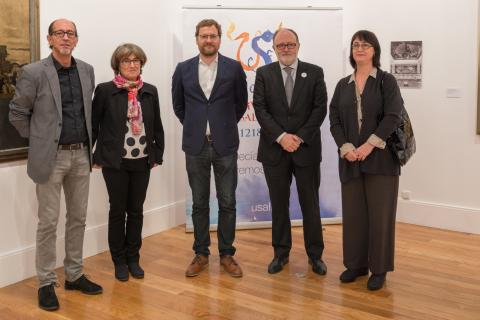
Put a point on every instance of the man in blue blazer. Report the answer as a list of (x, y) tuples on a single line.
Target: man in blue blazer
[(290, 102), (209, 93)]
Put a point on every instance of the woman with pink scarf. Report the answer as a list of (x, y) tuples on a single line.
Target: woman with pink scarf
[(129, 140)]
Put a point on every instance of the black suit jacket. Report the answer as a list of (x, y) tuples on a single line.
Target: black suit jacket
[(303, 118), (109, 117), (225, 107)]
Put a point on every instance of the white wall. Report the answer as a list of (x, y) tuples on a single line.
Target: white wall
[(442, 177)]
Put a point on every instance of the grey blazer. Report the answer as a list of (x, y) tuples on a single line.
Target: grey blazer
[(36, 112)]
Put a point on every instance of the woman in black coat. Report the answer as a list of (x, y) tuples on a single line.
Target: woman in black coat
[(129, 139), (364, 111)]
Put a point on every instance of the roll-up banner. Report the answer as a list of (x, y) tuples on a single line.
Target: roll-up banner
[(247, 37)]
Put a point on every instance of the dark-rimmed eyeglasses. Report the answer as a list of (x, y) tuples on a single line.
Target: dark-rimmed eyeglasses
[(363, 46), (283, 46), (61, 33), (127, 62), (208, 36)]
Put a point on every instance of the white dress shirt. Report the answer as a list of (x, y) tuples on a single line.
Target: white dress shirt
[(207, 73)]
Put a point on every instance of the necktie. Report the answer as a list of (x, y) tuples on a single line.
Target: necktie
[(289, 84)]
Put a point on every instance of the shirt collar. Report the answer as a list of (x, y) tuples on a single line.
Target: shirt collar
[(372, 74), (58, 66), (203, 63), (294, 65)]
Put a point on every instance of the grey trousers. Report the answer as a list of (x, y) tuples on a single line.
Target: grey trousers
[(369, 210), (72, 171)]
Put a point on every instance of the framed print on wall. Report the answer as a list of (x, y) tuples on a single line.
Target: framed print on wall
[(19, 45)]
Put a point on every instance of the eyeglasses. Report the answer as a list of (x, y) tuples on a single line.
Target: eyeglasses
[(283, 46), (127, 62), (61, 33), (363, 45), (208, 36)]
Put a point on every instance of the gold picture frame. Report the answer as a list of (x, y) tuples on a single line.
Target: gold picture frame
[(19, 45)]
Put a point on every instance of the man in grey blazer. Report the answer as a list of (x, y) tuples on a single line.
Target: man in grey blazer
[(52, 107)]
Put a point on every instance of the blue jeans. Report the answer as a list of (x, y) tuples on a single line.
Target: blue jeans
[(225, 172)]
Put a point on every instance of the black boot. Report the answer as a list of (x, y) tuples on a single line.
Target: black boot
[(351, 275), (376, 281), (121, 272), (84, 285), (47, 299), (136, 271)]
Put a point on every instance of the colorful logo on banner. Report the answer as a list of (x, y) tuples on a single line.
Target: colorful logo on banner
[(256, 52)]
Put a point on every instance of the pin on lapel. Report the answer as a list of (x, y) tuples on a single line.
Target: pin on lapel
[(304, 74)]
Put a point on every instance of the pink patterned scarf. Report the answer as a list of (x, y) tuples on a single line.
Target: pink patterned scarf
[(134, 110)]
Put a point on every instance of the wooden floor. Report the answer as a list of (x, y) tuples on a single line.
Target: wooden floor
[(437, 277)]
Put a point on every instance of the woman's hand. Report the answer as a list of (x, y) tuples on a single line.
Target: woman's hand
[(96, 166), (351, 156), (364, 151)]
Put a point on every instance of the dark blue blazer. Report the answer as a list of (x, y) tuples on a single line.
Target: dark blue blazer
[(223, 110)]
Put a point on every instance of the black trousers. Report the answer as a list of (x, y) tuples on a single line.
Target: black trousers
[(127, 189), (369, 210), (279, 179)]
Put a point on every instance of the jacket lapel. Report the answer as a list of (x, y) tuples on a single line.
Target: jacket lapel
[(300, 78), (85, 83), (120, 95), (194, 67), (220, 73), (52, 77)]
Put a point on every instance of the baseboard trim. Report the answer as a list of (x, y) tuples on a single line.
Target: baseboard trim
[(17, 265), (439, 215), (267, 224)]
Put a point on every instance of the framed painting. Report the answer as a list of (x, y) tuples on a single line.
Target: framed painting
[(19, 45)]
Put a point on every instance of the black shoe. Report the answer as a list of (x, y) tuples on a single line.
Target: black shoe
[(84, 285), (318, 266), (277, 264), (121, 272), (376, 281), (47, 299), (136, 271), (350, 275)]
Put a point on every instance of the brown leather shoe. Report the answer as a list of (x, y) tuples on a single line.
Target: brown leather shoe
[(231, 266), (198, 264)]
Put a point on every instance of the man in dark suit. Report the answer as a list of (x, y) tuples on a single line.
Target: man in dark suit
[(209, 94), (290, 102), (52, 107)]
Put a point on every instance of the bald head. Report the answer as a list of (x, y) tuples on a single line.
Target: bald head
[(283, 30)]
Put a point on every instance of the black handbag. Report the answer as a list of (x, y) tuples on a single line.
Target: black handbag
[(402, 141)]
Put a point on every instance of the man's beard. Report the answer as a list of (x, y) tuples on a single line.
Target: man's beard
[(65, 51), (211, 51)]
